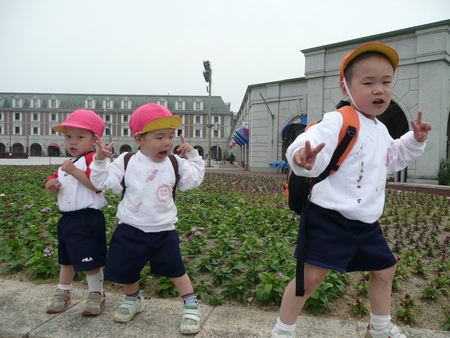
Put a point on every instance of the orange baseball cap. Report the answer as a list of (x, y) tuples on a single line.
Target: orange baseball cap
[(152, 116), (390, 53), (84, 119)]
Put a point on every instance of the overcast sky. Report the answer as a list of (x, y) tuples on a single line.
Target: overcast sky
[(158, 47)]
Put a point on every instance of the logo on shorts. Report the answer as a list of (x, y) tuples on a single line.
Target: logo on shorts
[(87, 259)]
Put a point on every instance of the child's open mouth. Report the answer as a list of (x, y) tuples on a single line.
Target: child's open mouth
[(162, 154), (378, 102)]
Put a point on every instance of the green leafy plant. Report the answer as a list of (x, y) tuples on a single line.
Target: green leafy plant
[(360, 308), (407, 311), (444, 173), (446, 322), (272, 287)]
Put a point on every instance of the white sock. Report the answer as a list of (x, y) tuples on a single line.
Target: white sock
[(379, 322), (65, 287), (281, 327), (95, 282)]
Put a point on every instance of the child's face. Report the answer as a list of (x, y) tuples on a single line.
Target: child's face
[(371, 85), (156, 144), (78, 141)]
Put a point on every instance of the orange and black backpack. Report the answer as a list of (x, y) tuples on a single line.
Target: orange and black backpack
[(298, 188)]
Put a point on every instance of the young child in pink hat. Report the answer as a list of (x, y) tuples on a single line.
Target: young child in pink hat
[(147, 213), (341, 225), (81, 228)]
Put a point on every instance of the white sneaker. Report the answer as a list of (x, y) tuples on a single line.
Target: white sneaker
[(276, 334), (191, 319), (391, 331), (129, 307)]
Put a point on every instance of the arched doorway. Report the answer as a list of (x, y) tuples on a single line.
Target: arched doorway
[(53, 149), (35, 149), (216, 153), (17, 148), (125, 149), (200, 150), (2, 148)]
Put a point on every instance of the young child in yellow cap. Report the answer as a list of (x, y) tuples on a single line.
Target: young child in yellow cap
[(81, 228), (341, 218), (147, 213)]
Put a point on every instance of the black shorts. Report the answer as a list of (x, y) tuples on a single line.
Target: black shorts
[(131, 249), (82, 239), (337, 243)]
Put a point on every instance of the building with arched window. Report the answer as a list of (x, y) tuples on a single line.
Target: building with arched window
[(26, 121), (272, 110)]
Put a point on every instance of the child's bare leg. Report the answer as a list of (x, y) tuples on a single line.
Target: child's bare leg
[(292, 305), (131, 289), (183, 284), (380, 289), (66, 274)]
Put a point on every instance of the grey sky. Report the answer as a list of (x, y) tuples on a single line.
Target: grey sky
[(157, 47)]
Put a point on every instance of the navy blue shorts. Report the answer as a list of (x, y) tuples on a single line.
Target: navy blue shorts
[(131, 249), (337, 243), (82, 239)]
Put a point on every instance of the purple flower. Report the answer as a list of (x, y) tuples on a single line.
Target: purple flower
[(48, 251)]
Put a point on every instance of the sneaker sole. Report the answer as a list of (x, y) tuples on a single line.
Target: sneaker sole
[(54, 311), (190, 330), (89, 313)]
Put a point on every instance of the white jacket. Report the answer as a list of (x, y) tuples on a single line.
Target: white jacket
[(148, 204), (357, 189)]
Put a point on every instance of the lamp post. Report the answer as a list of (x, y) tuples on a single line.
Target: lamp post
[(207, 74)]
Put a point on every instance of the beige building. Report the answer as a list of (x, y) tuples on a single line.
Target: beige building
[(422, 82), (26, 121)]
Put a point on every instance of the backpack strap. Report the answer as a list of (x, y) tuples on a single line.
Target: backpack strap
[(173, 160), (177, 175), (126, 159), (347, 138)]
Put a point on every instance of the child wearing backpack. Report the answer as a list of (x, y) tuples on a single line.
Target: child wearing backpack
[(81, 228), (147, 213), (342, 231)]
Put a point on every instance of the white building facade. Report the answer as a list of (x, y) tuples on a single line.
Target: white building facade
[(26, 121), (422, 82)]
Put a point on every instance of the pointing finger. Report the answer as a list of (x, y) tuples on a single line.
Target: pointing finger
[(182, 138)]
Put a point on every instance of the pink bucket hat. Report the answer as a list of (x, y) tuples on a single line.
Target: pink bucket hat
[(152, 116), (84, 119)]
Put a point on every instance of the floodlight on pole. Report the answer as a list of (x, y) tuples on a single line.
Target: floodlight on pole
[(207, 74)]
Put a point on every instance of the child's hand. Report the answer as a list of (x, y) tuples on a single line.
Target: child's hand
[(53, 185), (103, 150), (306, 156), (68, 167), (420, 128), (185, 147)]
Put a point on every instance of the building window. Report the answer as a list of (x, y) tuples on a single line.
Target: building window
[(216, 120), (125, 118), (197, 133), (216, 133), (126, 104), (107, 118), (53, 117), (17, 116), (89, 104), (35, 131), (162, 103), (180, 105), (16, 130), (17, 103), (35, 117), (125, 132), (198, 105), (180, 132), (52, 103), (35, 103), (1, 130), (1, 117), (197, 119), (52, 132)]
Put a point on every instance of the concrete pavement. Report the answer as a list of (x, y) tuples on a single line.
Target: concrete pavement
[(22, 305)]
